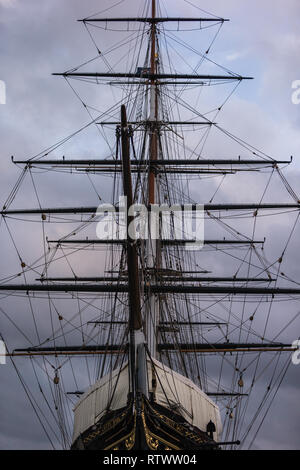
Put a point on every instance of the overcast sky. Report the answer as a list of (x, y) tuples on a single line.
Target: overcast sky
[(39, 37)]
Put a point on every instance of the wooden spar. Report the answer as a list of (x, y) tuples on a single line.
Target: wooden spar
[(163, 278), (91, 241), (186, 348), (135, 319), (97, 241), (153, 289), (137, 354), (164, 163), (97, 353), (193, 207), (153, 20), (149, 76)]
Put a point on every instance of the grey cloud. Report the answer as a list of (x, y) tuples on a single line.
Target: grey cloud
[(41, 37)]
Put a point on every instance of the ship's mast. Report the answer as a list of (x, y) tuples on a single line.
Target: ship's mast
[(137, 355), (151, 310), (153, 108)]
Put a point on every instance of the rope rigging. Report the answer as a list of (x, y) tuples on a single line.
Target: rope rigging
[(86, 319)]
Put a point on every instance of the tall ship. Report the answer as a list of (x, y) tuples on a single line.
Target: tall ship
[(151, 314)]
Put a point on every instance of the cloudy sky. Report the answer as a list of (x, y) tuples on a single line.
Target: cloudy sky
[(39, 37)]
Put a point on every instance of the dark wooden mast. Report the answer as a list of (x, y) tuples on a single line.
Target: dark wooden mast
[(137, 355)]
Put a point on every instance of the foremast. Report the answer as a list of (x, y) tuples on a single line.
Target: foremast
[(137, 340), (151, 306)]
